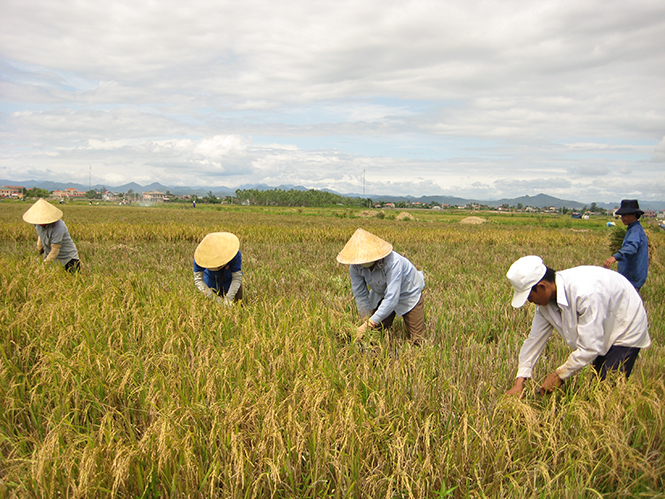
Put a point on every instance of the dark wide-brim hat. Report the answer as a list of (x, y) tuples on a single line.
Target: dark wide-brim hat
[(628, 207)]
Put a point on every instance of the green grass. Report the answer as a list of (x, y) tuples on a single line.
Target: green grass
[(123, 381)]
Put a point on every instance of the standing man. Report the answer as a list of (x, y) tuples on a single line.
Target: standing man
[(597, 312), (217, 268), (384, 284), (53, 239), (633, 257)]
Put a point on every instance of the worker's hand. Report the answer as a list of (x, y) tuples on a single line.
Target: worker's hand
[(551, 383), (608, 263), (366, 326), (517, 389), (53, 255), (228, 303)]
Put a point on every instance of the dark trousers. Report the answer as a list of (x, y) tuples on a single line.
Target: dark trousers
[(237, 297), (73, 265), (414, 320), (616, 359)]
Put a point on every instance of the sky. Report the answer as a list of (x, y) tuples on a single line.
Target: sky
[(475, 99)]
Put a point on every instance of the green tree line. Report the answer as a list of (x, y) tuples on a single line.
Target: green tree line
[(292, 197)]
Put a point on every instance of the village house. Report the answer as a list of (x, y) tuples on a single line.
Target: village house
[(12, 191), (153, 197), (110, 196), (69, 192)]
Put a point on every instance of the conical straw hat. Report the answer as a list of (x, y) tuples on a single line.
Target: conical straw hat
[(216, 249), (364, 247), (42, 212)]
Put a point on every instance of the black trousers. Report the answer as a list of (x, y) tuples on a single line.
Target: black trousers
[(73, 265), (616, 359)]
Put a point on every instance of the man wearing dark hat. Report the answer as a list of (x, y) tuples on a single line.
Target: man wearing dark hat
[(597, 312), (633, 257)]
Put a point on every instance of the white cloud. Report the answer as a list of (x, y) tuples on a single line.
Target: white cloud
[(475, 97)]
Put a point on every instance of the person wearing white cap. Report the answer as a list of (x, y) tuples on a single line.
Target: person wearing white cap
[(395, 286), (53, 239), (217, 267), (597, 312)]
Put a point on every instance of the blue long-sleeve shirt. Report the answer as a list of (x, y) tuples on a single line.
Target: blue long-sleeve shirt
[(633, 257), (393, 281), (220, 279)]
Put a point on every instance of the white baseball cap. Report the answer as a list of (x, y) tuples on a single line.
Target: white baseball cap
[(524, 274)]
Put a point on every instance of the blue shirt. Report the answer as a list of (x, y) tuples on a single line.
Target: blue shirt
[(393, 281), (633, 257), (220, 279)]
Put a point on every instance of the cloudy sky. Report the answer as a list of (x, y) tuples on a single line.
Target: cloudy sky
[(484, 99)]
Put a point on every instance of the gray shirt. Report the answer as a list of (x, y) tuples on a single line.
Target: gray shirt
[(57, 233)]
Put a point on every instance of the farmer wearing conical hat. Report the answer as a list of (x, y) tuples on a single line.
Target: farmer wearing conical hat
[(633, 257), (53, 239), (217, 268), (395, 286)]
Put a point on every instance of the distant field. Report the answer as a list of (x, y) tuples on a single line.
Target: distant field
[(124, 381)]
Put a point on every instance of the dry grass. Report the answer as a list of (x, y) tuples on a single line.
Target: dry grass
[(122, 381)]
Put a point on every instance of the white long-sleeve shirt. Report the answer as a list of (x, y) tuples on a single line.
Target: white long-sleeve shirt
[(595, 309), (394, 280)]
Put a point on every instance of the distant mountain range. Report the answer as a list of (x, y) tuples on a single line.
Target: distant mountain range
[(538, 201)]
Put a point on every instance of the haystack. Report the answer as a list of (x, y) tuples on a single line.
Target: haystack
[(405, 216), (473, 220)]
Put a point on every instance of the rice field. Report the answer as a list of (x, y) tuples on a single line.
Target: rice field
[(123, 381)]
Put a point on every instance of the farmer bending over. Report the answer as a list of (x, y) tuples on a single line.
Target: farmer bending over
[(597, 312), (217, 273), (53, 239), (395, 286)]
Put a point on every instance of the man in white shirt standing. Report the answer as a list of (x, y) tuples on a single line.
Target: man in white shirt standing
[(597, 312)]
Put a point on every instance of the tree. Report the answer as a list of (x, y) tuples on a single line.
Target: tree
[(211, 198), (36, 192)]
